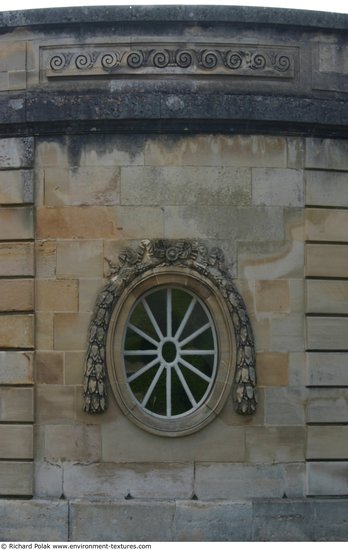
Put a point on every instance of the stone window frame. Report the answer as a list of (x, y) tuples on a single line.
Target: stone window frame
[(187, 264)]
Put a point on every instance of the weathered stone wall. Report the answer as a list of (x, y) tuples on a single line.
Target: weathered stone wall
[(97, 155), (17, 333), (245, 194)]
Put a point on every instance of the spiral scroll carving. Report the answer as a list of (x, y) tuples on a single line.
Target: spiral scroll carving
[(282, 63), (58, 62), (110, 60), (196, 60), (234, 60), (161, 59), (209, 59), (183, 58), (135, 59), (83, 61)]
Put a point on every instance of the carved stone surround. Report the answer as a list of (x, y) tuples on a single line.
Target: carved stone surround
[(165, 59), (186, 254)]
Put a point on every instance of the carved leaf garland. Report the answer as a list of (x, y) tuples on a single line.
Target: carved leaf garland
[(165, 253)]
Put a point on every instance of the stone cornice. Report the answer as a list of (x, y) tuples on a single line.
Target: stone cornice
[(186, 14), (62, 112)]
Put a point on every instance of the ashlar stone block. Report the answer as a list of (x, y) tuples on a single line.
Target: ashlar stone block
[(16, 186), (55, 404), (16, 294), (83, 258), (216, 150), (327, 296), (218, 441), (247, 481), (74, 367), (326, 225), (327, 369), (326, 260), (327, 333), (327, 405), (275, 444), (16, 404), (122, 521), (285, 406), (136, 221), (48, 480), (270, 260), (277, 187), (72, 442), (16, 223), (246, 224), (287, 333), (16, 152), (45, 258), (327, 442), (16, 479), (16, 441), (16, 259), (98, 186), (272, 369), (12, 56), (34, 520), (272, 296), (325, 188), (44, 330), (326, 154), (327, 478), (283, 520), (56, 295), (17, 331), (50, 367), (16, 367), (165, 481), (85, 222), (71, 331), (185, 185), (331, 519), (213, 521)]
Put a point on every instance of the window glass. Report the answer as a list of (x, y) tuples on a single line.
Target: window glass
[(170, 351)]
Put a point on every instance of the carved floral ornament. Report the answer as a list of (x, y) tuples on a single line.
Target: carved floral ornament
[(236, 59), (194, 273)]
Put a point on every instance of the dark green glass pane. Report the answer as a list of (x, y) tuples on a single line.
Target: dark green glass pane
[(197, 385), (135, 342), (203, 341), (204, 363), (157, 402), (181, 301), (180, 401), (140, 385), (197, 319), (157, 302), (133, 363), (140, 319)]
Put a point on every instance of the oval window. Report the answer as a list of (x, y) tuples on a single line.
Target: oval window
[(170, 351), (174, 335)]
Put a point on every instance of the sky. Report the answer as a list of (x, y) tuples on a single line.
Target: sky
[(340, 6)]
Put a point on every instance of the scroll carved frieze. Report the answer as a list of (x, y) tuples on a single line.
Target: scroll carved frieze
[(164, 253), (162, 59)]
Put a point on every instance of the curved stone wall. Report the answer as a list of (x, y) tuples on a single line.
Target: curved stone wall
[(214, 128)]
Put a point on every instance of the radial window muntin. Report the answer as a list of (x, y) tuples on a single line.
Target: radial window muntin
[(171, 351), (212, 402)]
